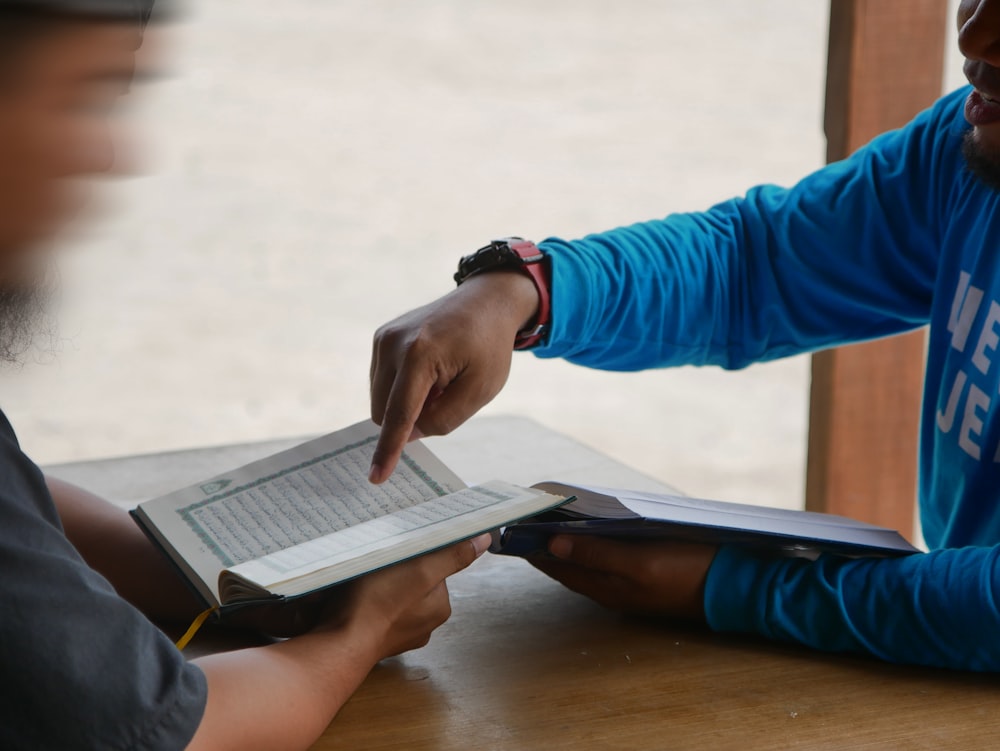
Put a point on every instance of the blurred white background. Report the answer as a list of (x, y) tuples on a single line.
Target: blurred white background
[(318, 167)]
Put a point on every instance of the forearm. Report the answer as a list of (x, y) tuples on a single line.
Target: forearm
[(937, 609), (114, 546), (650, 295), (726, 287), (280, 697)]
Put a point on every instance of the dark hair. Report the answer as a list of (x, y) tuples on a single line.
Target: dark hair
[(138, 11), (21, 21)]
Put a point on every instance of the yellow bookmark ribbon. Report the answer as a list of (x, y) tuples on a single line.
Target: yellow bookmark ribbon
[(196, 625)]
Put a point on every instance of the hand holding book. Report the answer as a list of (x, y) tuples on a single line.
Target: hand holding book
[(650, 554), (646, 577), (409, 599)]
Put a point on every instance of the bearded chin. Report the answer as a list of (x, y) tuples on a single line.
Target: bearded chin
[(982, 163), (25, 321)]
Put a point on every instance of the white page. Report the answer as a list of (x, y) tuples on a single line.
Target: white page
[(292, 497), (428, 524)]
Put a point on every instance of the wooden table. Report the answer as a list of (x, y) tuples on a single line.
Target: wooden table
[(524, 664)]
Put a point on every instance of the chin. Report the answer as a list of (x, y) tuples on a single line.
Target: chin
[(981, 148), (987, 138)]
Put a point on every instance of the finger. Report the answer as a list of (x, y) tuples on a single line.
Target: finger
[(403, 407), (381, 386), (373, 368), (440, 565), (599, 553), (601, 587), (376, 374), (447, 409)]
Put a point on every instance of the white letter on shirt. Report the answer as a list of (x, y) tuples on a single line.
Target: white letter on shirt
[(946, 419), (988, 340), (972, 424), (963, 311)]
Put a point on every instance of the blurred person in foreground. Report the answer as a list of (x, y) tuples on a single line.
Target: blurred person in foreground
[(903, 234), (83, 666)]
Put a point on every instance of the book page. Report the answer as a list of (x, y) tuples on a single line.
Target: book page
[(285, 500), (394, 537)]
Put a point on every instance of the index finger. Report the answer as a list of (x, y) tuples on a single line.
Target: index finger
[(407, 397), (598, 553)]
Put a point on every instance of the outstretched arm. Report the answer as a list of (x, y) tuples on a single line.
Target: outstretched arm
[(850, 253)]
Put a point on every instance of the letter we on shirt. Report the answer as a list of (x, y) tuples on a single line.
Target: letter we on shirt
[(974, 325)]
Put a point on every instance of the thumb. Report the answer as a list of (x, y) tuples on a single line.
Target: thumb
[(597, 553), (439, 565)]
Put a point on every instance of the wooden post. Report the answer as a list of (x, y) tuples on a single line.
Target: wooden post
[(886, 64)]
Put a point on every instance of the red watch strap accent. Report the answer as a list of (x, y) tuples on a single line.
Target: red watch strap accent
[(535, 267)]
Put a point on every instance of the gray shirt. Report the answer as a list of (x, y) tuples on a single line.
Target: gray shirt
[(80, 668)]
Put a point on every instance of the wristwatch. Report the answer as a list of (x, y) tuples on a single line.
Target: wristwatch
[(515, 254)]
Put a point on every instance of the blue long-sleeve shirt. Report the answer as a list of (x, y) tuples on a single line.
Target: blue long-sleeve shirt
[(896, 237)]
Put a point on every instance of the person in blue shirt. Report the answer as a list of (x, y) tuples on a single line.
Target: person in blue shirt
[(904, 234)]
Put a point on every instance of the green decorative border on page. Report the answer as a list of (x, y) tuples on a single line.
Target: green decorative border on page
[(422, 475), (206, 539)]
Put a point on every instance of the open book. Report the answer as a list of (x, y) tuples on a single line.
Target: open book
[(308, 518), (631, 514)]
